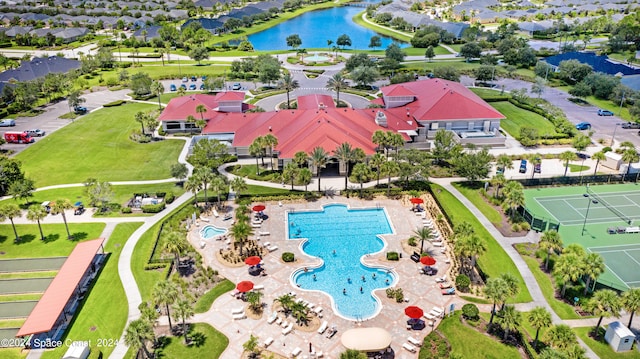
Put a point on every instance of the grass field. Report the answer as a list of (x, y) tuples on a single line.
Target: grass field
[(17, 275), (204, 303), (18, 297), (56, 242), (121, 193), (212, 345), (601, 348), (495, 260), (470, 343), (476, 198), (516, 118), (98, 146), (104, 313)]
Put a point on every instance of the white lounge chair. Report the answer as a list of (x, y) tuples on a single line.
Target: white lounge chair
[(296, 352), (204, 219), (278, 321), (237, 310), (272, 318), (215, 213), (435, 313), (439, 309), (268, 342), (414, 341), (323, 327), (284, 324), (239, 316), (258, 287), (429, 316), (263, 233), (437, 244), (409, 347), (255, 225), (318, 310), (266, 244), (272, 248), (288, 329), (319, 354)]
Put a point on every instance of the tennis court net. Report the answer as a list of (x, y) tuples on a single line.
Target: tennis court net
[(609, 206)]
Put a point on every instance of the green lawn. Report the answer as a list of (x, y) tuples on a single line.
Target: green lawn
[(55, 243), (121, 193), (145, 279), (473, 195), (577, 168), (12, 353), (98, 146), (254, 189), (19, 275), (601, 348), (205, 302), (485, 92), (495, 260), (104, 312), (211, 344), (517, 118), (469, 343), (18, 297), (11, 323)]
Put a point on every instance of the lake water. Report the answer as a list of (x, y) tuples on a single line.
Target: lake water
[(316, 27)]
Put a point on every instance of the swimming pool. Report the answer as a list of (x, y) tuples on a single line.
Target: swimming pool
[(341, 237), (209, 231)]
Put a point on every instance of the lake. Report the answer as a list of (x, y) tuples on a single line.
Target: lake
[(316, 27)]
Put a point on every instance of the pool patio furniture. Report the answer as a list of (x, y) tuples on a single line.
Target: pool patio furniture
[(272, 317), (263, 233), (323, 327), (237, 310), (239, 316), (215, 213), (272, 248), (414, 341), (268, 342), (296, 352), (409, 347), (288, 329)]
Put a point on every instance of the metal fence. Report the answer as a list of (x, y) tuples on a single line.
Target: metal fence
[(579, 180), (539, 224)]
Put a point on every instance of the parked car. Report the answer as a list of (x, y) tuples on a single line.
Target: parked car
[(602, 112), (17, 137), (184, 79), (582, 155), (173, 87), (204, 77), (583, 126), (183, 86), (523, 166), (236, 86), (537, 168), (192, 87), (631, 125), (201, 87), (499, 170), (7, 123), (36, 132), (450, 291), (194, 79), (80, 110)]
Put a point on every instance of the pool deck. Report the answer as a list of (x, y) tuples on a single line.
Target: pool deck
[(420, 290)]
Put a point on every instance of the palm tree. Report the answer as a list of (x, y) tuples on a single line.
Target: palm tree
[(509, 319), (631, 302), (183, 309), (593, 267), (300, 158), (569, 268), (376, 162), (390, 168), (380, 139), (175, 243), (496, 290), (59, 207), (240, 233), (345, 154), (504, 161), (289, 173), (361, 174), (270, 141), (629, 155), (423, 234), (158, 89), (560, 336), (604, 303), (535, 160), (255, 150), (395, 141), (137, 334), (512, 283), (205, 176), (514, 197), (551, 241), (288, 83), (318, 159), (539, 317), (141, 118), (239, 185), (304, 177), (475, 246), (352, 354), (566, 157), (337, 83), (254, 299), (37, 213), (201, 109), (300, 311), (251, 345), (165, 293), (598, 156), (286, 301), (218, 184), (193, 184), (11, 210)]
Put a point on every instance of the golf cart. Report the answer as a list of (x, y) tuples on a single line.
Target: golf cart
[(79, 208)]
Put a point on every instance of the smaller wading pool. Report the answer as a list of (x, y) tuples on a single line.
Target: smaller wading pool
[(209, 231)]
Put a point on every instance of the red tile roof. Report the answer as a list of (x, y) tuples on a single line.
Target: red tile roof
[(313, 102), (399, 90), (438, 99), (230, 96), (44, 315), (179, 108)]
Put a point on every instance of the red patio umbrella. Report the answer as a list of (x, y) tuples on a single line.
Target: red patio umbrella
[(253, 260), (413, 312), (259, 208), (244, 286), (416, 200), (428, 261)]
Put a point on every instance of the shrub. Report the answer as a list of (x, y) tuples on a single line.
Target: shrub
[(412, 241), (390, 292), (288, 257), (114, 103), (399, 295), (169, 198), (393, 256), (463, 282), (125, 210), (470, 311), (153, 208)]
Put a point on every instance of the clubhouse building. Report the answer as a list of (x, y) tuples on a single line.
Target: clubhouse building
[(416, 110)]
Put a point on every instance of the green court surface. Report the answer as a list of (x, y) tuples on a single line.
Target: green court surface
[(31, 264), (24, 285), (588, 221), (20, 309)]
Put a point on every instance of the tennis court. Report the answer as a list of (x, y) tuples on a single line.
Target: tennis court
[(602, 207), (624, 262)]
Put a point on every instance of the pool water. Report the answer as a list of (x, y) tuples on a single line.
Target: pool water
[(340, 237), (209, 231)]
